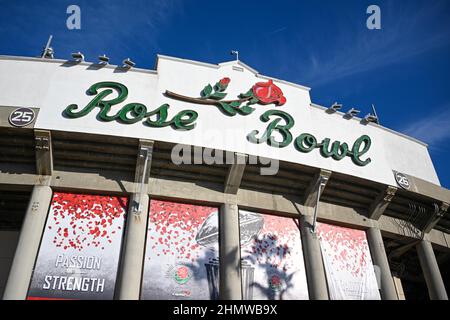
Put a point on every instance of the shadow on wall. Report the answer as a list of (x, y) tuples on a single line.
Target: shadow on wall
[(278, 280), (267, 254), (207, 268)]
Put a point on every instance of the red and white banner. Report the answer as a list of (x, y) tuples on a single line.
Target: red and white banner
[(348, 263), (181, 259), (272, 258), (80, 249)]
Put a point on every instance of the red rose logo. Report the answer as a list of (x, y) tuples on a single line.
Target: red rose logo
[(275, 283), (182, 275), (267, 92), (261, 92), (182, 272), (224, 82)]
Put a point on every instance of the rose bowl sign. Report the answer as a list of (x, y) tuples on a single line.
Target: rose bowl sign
[(227, 107), (261, 93)]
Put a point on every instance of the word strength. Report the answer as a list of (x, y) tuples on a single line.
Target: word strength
[(73, 284)]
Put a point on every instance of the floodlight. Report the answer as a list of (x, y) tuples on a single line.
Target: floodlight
[(334, 107), (352, 112), (127, 63), (103, 59), (78, 56), (371, 118)]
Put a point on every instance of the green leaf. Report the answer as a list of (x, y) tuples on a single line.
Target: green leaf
[(219, 87), (226, 108), (253, 100), (206, 91), (235, 104), (218, 95), (245, 110), (249, 93)]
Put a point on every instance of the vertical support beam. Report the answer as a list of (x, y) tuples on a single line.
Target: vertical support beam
[(229, 253), (430, 268), (315, 189), (28, 245), (44, 155), (130, 275), (382, 201), (235, 173), (315, 271), (380, 259)]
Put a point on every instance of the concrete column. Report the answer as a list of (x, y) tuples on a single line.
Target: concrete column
[(130, 275), (315, 272), (431, 272), (379, 258), (230, 253), (28, 245)]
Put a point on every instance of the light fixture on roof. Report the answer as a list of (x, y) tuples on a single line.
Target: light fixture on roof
[(235, 53), (371, 118), (351, 113), (103, 59), (334, 107), (78, 56), (127, 63)]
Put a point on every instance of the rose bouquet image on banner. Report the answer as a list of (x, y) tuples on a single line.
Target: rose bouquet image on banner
[(79, 253), (348, 263), (181, 258), (272, 258)]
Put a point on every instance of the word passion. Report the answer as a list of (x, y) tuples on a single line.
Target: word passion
[(185, 120)]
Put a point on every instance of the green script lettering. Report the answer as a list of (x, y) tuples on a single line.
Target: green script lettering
[(306, 142), (131, 112)]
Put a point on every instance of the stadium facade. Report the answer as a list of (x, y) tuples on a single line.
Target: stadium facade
[(205, 181)]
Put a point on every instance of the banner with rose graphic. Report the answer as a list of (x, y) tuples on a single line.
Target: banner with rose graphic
[(181, 259), (272, 258), (79, 253), (348, 263)]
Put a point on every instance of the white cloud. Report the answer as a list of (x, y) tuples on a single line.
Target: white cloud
[(360, 50), (433, 129)]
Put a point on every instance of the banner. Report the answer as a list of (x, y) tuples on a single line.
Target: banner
[(348, 264), (181, 259), (272, 258), (80, 249)]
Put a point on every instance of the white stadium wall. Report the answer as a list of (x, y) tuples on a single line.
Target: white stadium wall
[(53, 85)]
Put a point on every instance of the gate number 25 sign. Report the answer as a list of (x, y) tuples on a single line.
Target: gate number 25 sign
[(21, 117)]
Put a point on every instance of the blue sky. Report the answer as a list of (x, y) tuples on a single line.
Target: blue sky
[(403, 68)]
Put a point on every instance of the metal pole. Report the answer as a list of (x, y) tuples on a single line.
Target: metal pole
[(47, 46), (316, 208)]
